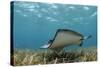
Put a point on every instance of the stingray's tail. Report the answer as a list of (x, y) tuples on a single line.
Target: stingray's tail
[(87, 37)]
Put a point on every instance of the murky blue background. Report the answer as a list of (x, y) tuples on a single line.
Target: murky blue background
[(36, 23)]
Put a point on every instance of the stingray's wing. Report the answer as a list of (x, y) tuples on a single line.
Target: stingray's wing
[(45, 46)]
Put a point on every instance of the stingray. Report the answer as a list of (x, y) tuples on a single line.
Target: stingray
[(64, 38)]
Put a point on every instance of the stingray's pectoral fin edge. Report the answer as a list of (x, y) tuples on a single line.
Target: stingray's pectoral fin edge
[(43, 48)]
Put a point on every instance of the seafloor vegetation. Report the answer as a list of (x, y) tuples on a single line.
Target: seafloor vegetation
[(44, 56)]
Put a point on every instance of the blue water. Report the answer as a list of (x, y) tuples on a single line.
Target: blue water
[(36, 23)]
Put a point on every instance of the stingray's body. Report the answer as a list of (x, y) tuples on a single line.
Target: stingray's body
[(65, 37)]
